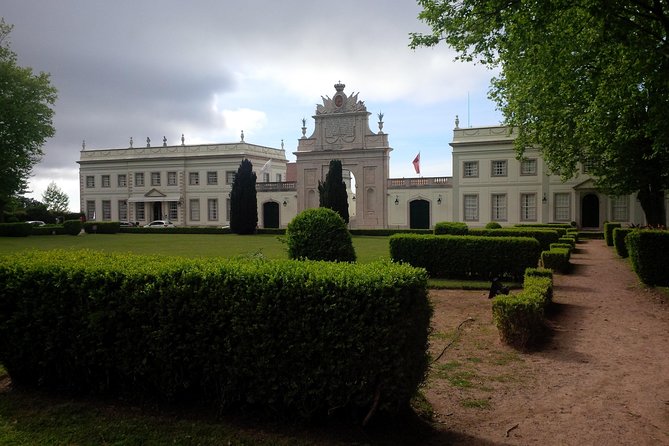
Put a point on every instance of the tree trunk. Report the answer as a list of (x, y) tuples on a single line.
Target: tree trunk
[(652, 203)]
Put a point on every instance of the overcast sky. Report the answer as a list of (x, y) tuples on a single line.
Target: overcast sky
[(212, 68)]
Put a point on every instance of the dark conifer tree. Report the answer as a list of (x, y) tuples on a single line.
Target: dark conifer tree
[(332, 193), (243, 201)]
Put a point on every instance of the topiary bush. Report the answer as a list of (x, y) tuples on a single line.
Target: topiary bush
[(319, 234), (608, 232), (15, 229), (451, 228), (102, 227), (619, 235), (72, 227), (649, 254), (493, 225)]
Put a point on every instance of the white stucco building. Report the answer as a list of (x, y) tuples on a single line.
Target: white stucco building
[(190, 184)]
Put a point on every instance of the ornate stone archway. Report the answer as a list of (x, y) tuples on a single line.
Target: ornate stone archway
[(341, 131)]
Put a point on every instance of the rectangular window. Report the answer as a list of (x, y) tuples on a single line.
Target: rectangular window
[(278, 177), (194, 178), (265, 177), (498, 207), (528, 207), (90, 210), (194, 207), (139, 211), (619, 208), (105, 181), (471, 207), (122, 181), (228, 209), (122, 210), (562, 207), (171, 178), (230, 177), (106, 210), (212, 209), (528, 167), (90, 181), (470, 169), (173, 212), (139, 179), (498, 168), (212, 178), (155, 178)]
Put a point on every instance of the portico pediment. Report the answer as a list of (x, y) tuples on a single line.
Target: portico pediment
[(587, 184), (154, 193)]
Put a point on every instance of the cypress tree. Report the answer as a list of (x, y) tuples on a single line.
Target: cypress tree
[(332, 193), (243, 201)]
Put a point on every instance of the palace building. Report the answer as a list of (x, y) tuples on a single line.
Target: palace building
[(190, 184)]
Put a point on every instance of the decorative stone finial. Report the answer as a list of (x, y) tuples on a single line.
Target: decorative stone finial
[(282, 144), (457, 122), (131, 142), (339, 86), (83, 145), (304, 128), (182, 139), (148, 142), (242, 135), (380, 115), (164, 141)]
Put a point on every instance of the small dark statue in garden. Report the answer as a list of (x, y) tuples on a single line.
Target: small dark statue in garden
[(496, 288)]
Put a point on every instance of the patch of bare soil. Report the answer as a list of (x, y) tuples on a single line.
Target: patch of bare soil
[(603, 377)]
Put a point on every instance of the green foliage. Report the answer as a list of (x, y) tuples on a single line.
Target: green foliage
[(493, 225), (568, 246), (545, 236), (299, 339), (102, 227), (243, 200), (649, 254), (571, 241), (332, 192), (564, 67), (26, 113), (556, 259), (72, 227), (15, 229), (55, 199), (464, 256), (608, 232), (319, 234), (48, 230), (450, 227), (560, 228), (619, 235), (386, 232), (520, 318)]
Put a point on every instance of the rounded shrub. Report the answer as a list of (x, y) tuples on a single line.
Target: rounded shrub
[(493, 225), (72, 227), (319, 234)]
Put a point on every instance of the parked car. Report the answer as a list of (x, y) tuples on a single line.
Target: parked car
[(160, 224), (36, 222), (127, 224)]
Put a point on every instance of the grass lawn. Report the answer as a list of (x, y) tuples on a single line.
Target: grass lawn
[(187, 245)]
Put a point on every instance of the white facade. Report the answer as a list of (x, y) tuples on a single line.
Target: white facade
[(190, 185)]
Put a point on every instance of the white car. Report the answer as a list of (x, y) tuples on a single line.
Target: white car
[(160, 224), (36, 222)]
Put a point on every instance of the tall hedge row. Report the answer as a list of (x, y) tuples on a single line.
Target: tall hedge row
[(649, 254), (464, 256), (608, 232), (619, 235), (295, 338), (545, 236)]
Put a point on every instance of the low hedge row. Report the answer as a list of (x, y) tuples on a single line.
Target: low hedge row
[(465, 256), (183, 230), (608, 232), (544, 236), (561, 228), (48, 230), (299, 339), (15, 229), (556, 259), (619, 235), (649, 254), (102, 227), (520, 318), (451, 228)]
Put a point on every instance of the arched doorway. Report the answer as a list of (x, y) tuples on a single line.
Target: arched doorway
[(270, 214), (590, 211), (419, 214)]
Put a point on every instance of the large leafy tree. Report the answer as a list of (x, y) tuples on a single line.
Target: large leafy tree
[(55, 199), (332, 192), (26, 113), (587, 81), (243, 201)]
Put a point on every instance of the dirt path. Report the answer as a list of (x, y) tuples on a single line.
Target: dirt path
[(603, 378)]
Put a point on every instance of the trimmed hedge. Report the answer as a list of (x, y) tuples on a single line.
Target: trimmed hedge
[(556, 259), (649, 254), (561, 228), (619, 235), (72, 227), (48, 230), (319, 234), (520, 318), (450, 228), (545, 236), (465, 256), (388, 232), (180, 230), (102, 227), (569, 240), (297, 339), (15, 229), (568, 246), (608, 232)]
